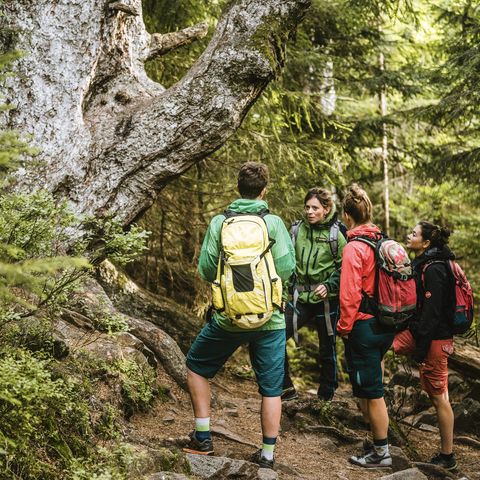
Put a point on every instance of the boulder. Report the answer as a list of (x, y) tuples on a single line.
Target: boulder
[(327, 444), (455, 383), (167, 476), (474, 391), (427, 417), (404, 378), (147, 460), (408, 474), (467, 416), (433, 470), (400, 461), (219, 468)]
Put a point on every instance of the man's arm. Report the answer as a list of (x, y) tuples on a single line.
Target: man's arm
[(282, 251), (210, 251)]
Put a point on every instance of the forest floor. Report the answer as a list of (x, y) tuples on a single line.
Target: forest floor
[(299, 454)]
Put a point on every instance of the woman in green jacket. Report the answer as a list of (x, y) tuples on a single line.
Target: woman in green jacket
[(318, 242)]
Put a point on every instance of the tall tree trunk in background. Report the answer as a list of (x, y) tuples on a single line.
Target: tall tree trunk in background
[(383, 112), (110, 138)]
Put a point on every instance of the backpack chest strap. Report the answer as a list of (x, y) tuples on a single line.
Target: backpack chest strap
[(307, 288)]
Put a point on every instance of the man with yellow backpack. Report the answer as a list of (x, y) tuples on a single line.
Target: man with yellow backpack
[(246, 254)]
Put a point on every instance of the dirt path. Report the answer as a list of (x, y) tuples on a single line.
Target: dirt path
[(303, 454)]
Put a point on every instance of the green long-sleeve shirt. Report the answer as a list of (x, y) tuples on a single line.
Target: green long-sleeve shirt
[(282, 253)]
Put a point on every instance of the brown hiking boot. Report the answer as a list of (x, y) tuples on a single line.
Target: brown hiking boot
[(198, 447)]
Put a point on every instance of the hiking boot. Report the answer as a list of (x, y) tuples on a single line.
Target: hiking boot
[(325, 395), (198, 447), (289, 394), (446, 463), (261, 461), (372, 460), (325, 398), (367, 446)]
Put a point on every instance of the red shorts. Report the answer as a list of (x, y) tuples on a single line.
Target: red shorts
[(403, 343), (434, 370)]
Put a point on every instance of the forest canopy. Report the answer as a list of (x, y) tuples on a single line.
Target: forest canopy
[(380, 93)]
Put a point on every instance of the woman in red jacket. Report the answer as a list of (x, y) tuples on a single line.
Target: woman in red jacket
[(366, 341)]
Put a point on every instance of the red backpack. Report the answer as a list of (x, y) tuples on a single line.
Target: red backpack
[(463, 319), (395, 298)]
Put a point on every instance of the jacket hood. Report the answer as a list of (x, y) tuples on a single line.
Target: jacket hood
[(366, 230), (246, 205), (435, 253)]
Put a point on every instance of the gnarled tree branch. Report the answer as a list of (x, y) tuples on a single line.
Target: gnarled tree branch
[(163, 43), (110, 137)]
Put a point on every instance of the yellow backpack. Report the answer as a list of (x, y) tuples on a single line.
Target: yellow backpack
[(247, 288)]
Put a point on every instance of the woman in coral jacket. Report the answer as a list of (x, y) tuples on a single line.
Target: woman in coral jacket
[(366, 342)]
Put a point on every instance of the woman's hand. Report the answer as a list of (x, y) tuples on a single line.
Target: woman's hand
[(321, 291)]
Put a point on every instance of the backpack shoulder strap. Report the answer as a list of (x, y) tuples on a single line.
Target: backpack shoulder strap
[(333, 238), (431, 262), (263, 212), (294, 230), (231, 213), (369, 241)]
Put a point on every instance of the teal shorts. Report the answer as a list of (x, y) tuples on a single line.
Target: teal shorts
[(214, 346), (367, 344)]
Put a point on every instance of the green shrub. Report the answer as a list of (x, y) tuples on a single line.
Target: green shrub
[(44, 425), (138, 384), (111, 323)]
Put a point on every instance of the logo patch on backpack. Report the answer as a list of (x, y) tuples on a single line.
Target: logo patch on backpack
[(428, 294), (247, 288)]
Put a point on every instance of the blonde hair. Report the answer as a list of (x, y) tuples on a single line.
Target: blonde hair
[(357, 204)]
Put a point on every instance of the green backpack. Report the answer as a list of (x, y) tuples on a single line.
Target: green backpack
[(247, 288)]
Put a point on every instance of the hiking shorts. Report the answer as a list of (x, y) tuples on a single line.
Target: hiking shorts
[(214, 346), (434, 371), (365, 348)]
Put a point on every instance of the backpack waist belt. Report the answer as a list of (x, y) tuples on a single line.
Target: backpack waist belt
[(309, 288)]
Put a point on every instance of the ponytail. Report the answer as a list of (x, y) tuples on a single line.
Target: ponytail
[(357, 204)]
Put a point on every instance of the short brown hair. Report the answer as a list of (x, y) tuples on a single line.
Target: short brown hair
[(253, 177), (322, 195), (357, 204)]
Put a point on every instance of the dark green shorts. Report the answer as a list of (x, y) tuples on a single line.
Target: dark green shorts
[(214, 346), (364, 350)]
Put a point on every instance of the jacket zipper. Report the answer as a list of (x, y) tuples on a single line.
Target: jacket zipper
[(308, 260)]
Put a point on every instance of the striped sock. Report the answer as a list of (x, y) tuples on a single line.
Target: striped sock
[(202, 429), (268, 446)]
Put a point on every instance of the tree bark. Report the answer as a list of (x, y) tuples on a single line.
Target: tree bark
[(92, 303), (134, 301), (110, 138)]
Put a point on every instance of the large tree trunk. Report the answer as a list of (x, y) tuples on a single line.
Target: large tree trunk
[(111, 138)]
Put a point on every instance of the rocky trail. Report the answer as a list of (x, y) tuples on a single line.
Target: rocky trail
[(316, 437), (315, 442)]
